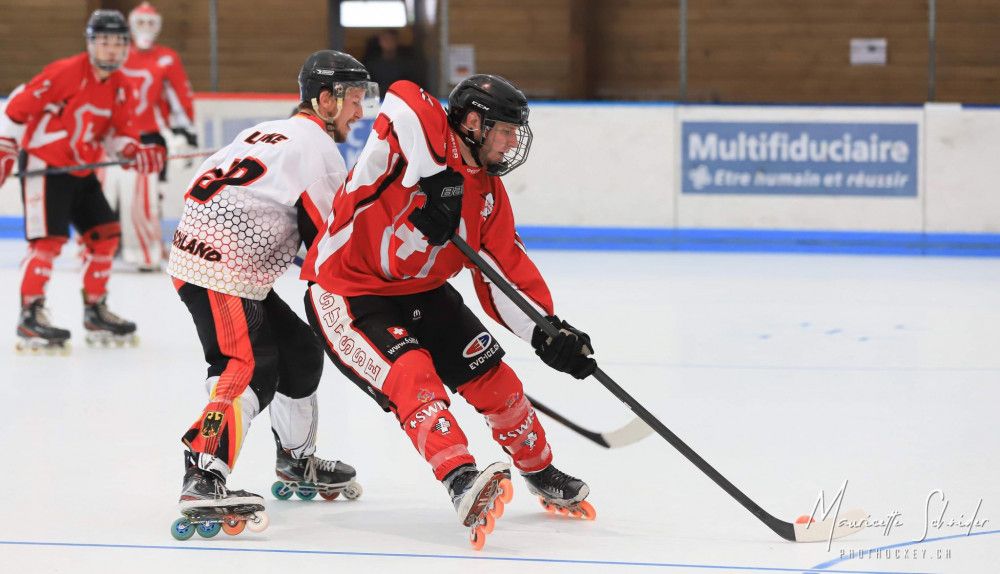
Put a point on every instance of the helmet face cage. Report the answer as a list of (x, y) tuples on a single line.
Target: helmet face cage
[(106, 23), (513, 157), (144, 23)]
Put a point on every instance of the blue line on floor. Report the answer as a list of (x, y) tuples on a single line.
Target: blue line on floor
[(823, 567), (439, 556)]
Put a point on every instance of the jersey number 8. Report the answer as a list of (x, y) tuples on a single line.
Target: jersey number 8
[(242, 172)]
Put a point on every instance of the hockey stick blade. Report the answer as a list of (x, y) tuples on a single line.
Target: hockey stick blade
[(634, 431), (786, 530)]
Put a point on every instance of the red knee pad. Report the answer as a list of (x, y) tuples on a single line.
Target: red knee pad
[(420, 403), (499, 395), (37, 266)]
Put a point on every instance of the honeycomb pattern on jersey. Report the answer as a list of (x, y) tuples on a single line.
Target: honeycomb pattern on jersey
[(237, 243)]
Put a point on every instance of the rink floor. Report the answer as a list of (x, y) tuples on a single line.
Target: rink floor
[(790, 374)]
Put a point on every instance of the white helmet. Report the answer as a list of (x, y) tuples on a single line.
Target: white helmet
[(145, 22)]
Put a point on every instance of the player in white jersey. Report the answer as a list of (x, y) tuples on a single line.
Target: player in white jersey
[(254, 202)]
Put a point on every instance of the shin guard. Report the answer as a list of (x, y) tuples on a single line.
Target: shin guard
[(37, 267), (420, 403), (498, 394), (100, 244)]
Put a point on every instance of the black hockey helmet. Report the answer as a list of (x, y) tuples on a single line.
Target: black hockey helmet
[(106, 22), (334, 71), (496, 100)]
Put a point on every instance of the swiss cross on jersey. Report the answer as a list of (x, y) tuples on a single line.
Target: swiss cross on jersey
[(397, 332)]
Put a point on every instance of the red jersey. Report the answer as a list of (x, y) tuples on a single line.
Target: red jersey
[(371, 248), (162, 91), (64, 114)]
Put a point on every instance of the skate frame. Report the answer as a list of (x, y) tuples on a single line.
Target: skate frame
[(793, 532)]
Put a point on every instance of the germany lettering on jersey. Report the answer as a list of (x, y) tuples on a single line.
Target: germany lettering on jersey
[(370, 247), (240, 229), (65, 113)]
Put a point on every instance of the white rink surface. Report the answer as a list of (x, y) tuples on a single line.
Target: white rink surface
[(790, 374)]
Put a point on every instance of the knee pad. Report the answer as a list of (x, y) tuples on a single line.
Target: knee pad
[(46, 247), (102, 239), (412, 382)]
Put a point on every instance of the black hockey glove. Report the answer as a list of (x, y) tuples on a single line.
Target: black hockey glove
[(439, 217), (567, 352)]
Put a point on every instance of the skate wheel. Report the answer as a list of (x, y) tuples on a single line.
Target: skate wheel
[(208, 529), (477, 538), (353, 490), (258, 522), (562, 511), (281, 491), (548, 507), (506, 490), (498, 508), (489, 523), (587, 510), (232, 525), (306, 492), (329, 495), (182, 529)]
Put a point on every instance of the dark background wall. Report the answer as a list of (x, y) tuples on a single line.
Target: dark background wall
[(782, 51)]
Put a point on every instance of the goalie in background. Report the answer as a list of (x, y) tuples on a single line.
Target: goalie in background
[(164, 115)]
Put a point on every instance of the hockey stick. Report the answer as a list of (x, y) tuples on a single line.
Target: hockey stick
[(833, 527), (634, 431), (89, 166)]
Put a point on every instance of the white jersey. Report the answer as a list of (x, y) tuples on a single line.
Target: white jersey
[(239, 231)]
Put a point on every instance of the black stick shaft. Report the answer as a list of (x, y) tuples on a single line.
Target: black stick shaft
[(780, 527), (589, 434), (100, 164)]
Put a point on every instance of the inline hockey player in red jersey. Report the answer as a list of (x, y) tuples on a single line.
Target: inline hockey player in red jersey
[(254, 202), (72, 113), (164, 106), (393, 325)]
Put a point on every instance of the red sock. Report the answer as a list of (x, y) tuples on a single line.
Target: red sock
[(37, 267)]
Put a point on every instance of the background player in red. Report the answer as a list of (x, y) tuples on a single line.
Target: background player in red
[(396, 328), (164, 115), (72, 113), (254, 202)]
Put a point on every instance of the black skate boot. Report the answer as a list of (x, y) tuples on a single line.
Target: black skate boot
[(560, 492), (208, 507), (36, 334), (104, 328), (307, 477), (479, 497)]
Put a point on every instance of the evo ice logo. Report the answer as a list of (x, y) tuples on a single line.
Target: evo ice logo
[(477, 345)]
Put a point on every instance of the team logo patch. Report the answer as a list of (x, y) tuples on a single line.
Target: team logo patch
[(397, 332), (425, 396), (442, 425), (477, 345), (211, 424), (530, 441)]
